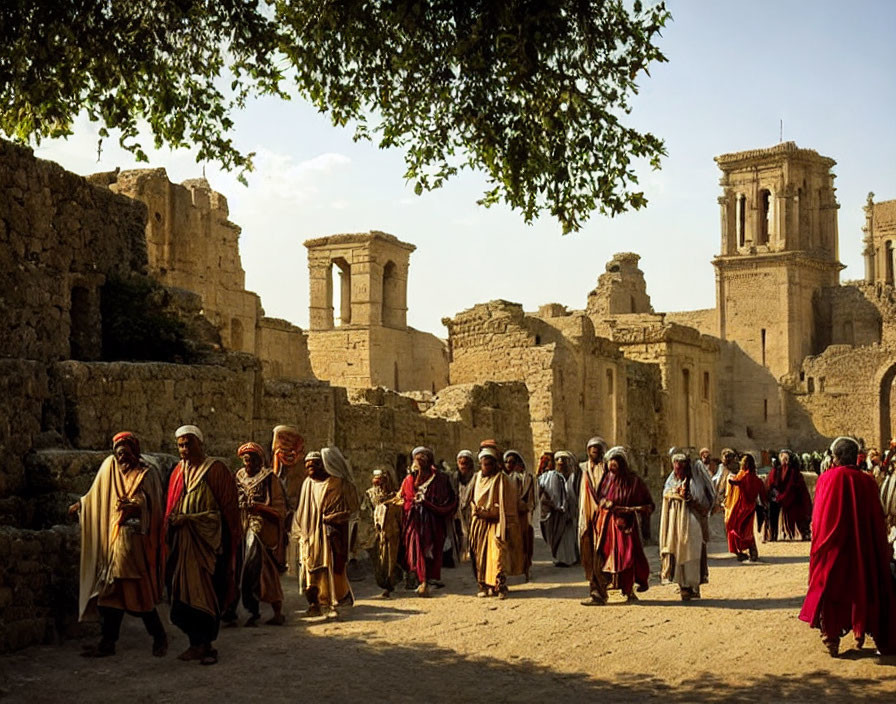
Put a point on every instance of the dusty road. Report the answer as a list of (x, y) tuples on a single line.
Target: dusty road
[(741, 641)]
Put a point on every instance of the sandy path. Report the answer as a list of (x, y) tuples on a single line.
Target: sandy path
[(742, 640)]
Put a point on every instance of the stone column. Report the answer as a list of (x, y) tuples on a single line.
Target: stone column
[(868, 240)]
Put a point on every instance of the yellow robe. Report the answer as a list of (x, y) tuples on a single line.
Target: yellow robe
[(488, 536)]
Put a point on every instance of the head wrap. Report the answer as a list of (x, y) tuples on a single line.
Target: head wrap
[(596, 442), (189, 430), (129, 439), (335, 463), (286, 436), (466, 453), (250, 447), (704, 449), (619, 452), (679, 457), (377, 473), (489, 452), (315, 455), (515, 454), (567, 454), (421, 449)]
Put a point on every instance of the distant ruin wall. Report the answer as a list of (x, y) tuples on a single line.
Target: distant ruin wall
[(705, 320), (59, 237)]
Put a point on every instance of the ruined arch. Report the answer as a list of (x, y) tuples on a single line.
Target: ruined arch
[(391, 295), (885, 387), (341, 281)]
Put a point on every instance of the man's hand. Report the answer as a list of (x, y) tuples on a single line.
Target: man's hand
[(74, 508)]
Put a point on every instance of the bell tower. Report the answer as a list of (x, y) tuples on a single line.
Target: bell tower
[(779, 249)]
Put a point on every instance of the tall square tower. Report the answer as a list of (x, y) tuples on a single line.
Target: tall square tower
[(779, 249)]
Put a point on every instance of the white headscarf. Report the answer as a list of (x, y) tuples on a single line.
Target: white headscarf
[(335, 463), (189, 430)]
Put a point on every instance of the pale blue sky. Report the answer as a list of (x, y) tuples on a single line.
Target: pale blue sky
[(734, 70)]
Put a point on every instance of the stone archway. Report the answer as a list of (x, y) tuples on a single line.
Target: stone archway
[(885, 387)]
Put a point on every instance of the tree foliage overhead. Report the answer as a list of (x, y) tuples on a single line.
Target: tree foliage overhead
[(534, 93)]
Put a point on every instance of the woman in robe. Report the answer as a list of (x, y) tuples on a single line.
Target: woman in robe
[(787, 487), (744, 489)]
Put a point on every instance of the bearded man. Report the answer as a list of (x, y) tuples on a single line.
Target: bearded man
[(203, 535), (429, 503), (525, 489), (320, 531), (121, 543), (615, 556), (494, 506), (262, 502)]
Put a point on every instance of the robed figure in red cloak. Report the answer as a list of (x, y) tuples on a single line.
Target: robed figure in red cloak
[(850, 581)]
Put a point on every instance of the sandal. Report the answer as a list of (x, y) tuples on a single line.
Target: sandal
[(210, 657)]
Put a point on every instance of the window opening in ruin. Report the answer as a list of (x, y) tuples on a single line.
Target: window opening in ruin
[(764, 215), (802, 376), (236, 334), (632, 299), (341, 291), (762, 335), (79, 330), (537, 340), (741, 220), (706, 386), (686, 393), (158, 217), (821, 383), (765, 409), (609, 382), (391, 303), (888, 263), (395, 372), (810, 385)]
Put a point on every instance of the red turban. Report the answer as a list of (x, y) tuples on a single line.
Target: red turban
[(251, 447), (129, 439)]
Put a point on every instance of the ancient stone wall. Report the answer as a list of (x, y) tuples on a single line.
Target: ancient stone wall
[(283, 350), (853, 314), (60, 237), (577, 382), (880, 241), (706, 320)]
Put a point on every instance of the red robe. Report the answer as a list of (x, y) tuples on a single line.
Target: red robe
[(619, 535), (739, 526), (425, 524), (794, 498), (850, 583)]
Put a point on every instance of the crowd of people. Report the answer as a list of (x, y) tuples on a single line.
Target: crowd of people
[(217, 539)]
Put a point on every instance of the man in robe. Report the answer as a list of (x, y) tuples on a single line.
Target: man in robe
[(568, 467), (728, 467), (463, 517), (688, 497), (743, 491), (525, 489), (387, 512), (429, 503), (262, 502), (121, 540), (494, 507), (850, 582), (320, 533), (788, 489), (202, 517), (558, 525), (615, 556)]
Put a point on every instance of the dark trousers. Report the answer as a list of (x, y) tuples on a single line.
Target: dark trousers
[(112, 618), (774, 513), (201, 628)]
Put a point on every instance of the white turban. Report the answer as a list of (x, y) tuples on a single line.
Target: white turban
[(465, 453), (488, 452), (516, 454), (597, 442), (189, 430), (618, 451)]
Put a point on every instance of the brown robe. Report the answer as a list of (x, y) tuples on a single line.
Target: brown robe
[(263, 532)]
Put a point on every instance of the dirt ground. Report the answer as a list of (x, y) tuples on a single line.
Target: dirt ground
[(741, 641)]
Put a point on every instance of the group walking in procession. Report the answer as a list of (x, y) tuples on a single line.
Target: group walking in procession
[(216, 540)]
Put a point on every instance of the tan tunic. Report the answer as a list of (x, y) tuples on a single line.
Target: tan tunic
[(488, 535), (120, 558), (320, 532)]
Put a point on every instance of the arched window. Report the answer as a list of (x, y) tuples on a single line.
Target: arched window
[(341, 291), (741, 219), (764, 216), (391, 291)]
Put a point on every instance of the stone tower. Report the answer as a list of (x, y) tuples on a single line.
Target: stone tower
[(779, 249), (368, 342)]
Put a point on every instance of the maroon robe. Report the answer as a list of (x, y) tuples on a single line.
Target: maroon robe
[(850, 583), (794, 499), (425, 524), (619, 535)]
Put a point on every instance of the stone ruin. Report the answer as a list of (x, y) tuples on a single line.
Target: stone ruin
[(789, 355)]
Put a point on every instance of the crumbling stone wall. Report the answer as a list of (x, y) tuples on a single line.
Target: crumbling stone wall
[(59, 237), (621, 289), (852, 314), (706, 320), (283, 350)]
